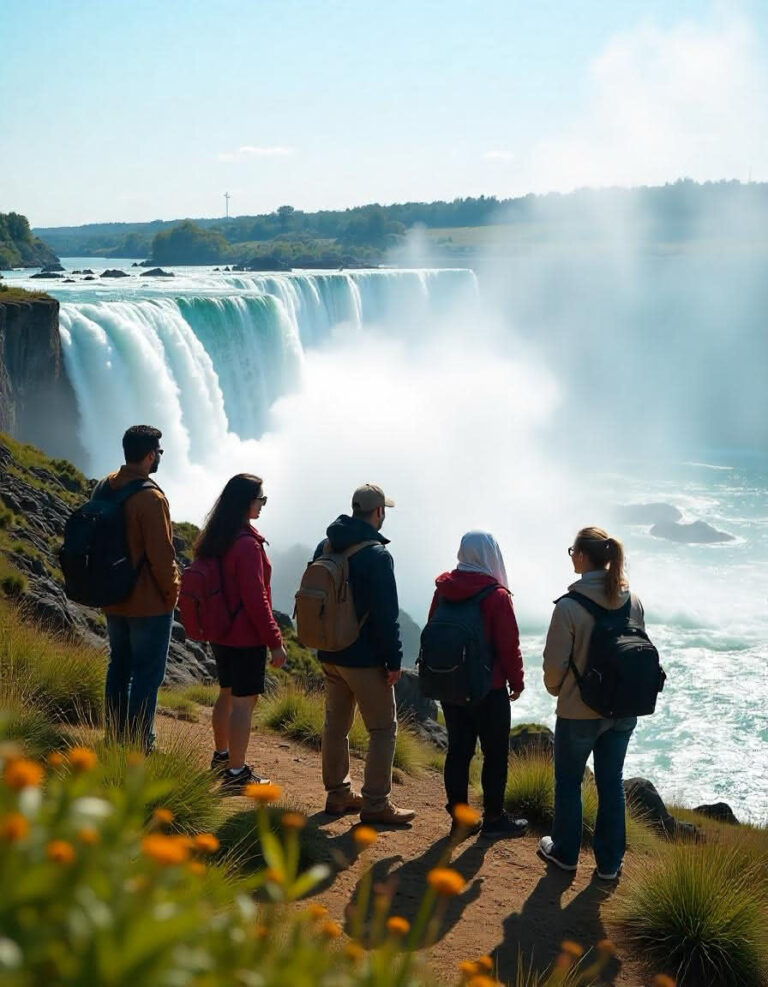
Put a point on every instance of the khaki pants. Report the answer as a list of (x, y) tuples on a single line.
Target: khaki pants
[(368, 689)]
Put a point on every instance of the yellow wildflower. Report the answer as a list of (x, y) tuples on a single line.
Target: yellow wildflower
[(205, 843), (485, 963), (398, 925), (294, 820), (20, 773), (354, 951), (195, 867), (446, 881), (88, 835), (164, 850), (316, 911), (364, 836), (163, 817), (56, 759), (481, 980), (13, 827), (331, 929), (263, 794), (60, 852), (465, 815), (468, 968), (662, 980), (82, 758), (572, 948)]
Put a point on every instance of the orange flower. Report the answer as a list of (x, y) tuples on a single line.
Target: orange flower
[(13, 827), (316, 911), (564, 961), (263, 794), (572, 948), (354, 951), (606, 947), (82, 758), (398, 925), (364, 836), (20, 773), (662, 980), (293, 820), (195, 867), (481, 980), (56, 759), (165, 850), (88, 835), (205, 843), (163, 817), (446, 881), (485, 963), (465, 816), (60, 852), (468, 968), (260, 931), (332, 930)]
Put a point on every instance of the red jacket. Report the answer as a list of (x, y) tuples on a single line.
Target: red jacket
[(500, 623), (247, 576)]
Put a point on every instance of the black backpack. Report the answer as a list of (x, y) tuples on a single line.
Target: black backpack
[(623, 676), (456, 661), (94, 557)]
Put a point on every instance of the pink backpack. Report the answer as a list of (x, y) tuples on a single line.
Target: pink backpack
[(205, 613)]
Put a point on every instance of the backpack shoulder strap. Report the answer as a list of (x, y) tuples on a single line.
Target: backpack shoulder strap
[(125, 493), (479, 597), (584, 601), (354, 549)]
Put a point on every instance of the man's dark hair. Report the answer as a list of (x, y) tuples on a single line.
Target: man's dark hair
[(139, 441)]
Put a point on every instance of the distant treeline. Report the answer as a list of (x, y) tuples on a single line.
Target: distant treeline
[(18, 247), (672, 211)]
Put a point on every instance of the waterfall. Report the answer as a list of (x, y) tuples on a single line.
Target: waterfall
[(209, 356)]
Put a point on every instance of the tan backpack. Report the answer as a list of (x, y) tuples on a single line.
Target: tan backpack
[(325, 611)]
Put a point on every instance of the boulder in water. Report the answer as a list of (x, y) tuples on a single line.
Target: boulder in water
[(68, 281), (114, 272), (157, 272), (44, 274), (86, 270), (52, 267), (696, 533), (654, 513), (89, 277), (720, 811)]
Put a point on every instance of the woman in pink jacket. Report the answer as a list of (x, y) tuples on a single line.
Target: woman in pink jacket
[(241, 656), (480, 568)]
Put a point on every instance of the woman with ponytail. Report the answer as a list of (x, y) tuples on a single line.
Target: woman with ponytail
[(241, 656), (599, 561)]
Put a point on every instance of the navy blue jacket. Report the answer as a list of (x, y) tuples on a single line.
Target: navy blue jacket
[(372, 578)]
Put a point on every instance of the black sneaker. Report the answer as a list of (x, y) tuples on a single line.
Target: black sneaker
[(504, 826), (219, 762), (233, 784)]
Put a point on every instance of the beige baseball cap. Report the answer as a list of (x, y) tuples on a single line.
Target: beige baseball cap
[(368, 497)]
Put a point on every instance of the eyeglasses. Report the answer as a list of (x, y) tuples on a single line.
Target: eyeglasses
[(573, 550), (262, 500), (159, 451)]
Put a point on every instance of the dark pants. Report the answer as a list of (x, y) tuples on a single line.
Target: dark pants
[(138, 650), (575, 740), (489, 720)]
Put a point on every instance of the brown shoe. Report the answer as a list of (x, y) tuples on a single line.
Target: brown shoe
[(389, 816), (340, 805)]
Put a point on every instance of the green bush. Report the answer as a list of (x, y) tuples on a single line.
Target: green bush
[(700, 911), (12, 582)]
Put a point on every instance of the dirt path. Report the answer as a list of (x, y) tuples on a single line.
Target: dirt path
[(512, 905)]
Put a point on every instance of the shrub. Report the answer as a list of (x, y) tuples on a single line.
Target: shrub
[(68, 678), (12, 582), (172, 782), (25, 722), (699, 910)]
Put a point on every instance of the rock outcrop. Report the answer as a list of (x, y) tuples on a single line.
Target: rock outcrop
[(649, 806), (114, 272), (720, 811), (695, 533), (37, 402)]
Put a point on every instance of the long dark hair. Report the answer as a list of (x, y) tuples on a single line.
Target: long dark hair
[(605, 553), (228, 515)]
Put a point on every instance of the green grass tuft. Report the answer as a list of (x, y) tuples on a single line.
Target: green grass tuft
[(700, 911)]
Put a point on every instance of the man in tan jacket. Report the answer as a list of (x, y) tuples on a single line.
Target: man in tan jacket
[(139, 627)]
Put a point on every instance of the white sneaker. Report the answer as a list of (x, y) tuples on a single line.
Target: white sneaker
[(545, 850)]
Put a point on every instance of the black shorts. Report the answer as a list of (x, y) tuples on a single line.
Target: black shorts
[(241, 669)]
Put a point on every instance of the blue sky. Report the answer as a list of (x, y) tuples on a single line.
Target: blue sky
[(143, 109)]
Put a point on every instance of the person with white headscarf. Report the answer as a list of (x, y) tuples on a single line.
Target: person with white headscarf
[(481, 567)]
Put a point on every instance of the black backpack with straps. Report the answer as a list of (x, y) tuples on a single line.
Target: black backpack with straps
[(456, 660), (94, 557), (623, 676)]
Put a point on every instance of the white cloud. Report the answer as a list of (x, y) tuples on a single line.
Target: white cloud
[(691, 101), (266, 152)]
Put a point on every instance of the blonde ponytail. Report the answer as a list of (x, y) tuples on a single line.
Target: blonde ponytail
[(604, 552)]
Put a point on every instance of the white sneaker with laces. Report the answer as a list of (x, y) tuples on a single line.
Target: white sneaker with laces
[(546, 843)]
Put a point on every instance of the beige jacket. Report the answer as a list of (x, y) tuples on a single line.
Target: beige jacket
[(569, 632), (150, 536)]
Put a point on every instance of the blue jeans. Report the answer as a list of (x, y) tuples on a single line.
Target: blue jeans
[(138, 651), (575, 740)]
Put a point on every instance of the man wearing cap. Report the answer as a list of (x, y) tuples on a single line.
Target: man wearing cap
[(364, 674)]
